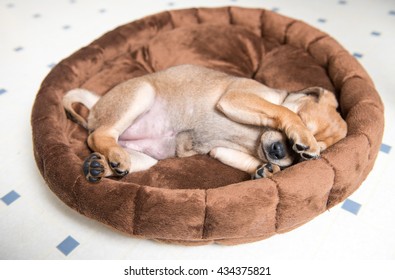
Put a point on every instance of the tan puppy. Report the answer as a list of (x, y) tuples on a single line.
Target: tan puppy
[(187, 110)]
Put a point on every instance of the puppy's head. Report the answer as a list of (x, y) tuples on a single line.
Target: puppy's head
[(317, 108), (276, 149)]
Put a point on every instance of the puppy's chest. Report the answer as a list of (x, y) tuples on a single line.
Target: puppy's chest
[(151, 133)]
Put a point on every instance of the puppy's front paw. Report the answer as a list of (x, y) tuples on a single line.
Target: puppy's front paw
[(266, 171), (304, 143), (306, 152), (94, 167)]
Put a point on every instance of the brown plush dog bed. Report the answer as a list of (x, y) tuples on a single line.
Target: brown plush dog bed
[(198, 200)]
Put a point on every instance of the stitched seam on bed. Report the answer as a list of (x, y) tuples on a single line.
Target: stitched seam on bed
[(259, 62), (356, 76), (199, 20), (361, 132), (263, 11), (77, 201), (278, 204), (327, 66), (231, 22), (147, 57), (319, 38), (258, 67), (331, 59), (33, 121), (261, 22), (370, 83), (171, 20), (264, 36), (263, 50), (204, 228), (368, 102), (137, 211), (242, 237), (369, 143), (315, 59), (334, 180), (287, 27)]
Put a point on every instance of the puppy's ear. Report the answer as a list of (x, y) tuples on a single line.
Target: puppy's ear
[(321, 96), (328, 98)]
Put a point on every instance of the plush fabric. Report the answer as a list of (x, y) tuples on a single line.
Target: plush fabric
[(198, 200)]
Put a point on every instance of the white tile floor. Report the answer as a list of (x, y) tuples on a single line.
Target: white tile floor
[(34, 224)]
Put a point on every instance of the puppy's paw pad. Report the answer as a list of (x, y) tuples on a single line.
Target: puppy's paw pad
[(93, 168), (264, 171), (300, 147), (306, 152), (259, 173), (307, 156), (118, 171), (119, 162)]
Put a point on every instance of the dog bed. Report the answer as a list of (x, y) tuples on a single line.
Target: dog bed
[(198, 200)]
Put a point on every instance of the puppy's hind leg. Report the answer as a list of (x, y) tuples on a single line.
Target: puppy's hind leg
[(113, 114), (104, 141)]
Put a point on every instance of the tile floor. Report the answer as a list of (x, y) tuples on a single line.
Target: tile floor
[(34, 224)]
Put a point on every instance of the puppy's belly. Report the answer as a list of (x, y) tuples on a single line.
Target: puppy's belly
[(151, 133), (158, 148)]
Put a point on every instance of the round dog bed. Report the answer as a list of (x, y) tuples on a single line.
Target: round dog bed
[(198, 200)]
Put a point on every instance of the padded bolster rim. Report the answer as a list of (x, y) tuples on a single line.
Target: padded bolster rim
[(209, 222)]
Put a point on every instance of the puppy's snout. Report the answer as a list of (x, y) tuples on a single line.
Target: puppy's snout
[(277, 150)]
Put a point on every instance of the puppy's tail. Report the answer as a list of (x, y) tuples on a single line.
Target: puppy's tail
[(79, 95)]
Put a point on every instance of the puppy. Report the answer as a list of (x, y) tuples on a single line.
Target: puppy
[(187, 110)]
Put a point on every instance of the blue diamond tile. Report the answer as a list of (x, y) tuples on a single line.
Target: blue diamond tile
[(375, 33), (322, 20), (351, 206), (342, 2), (51, 65), (392, 13), (10, 197), (68, 245), (385, 148), (18, 49), (2, 90), (357, 55)]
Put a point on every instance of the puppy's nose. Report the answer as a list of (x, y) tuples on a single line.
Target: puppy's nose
[(277, 150)]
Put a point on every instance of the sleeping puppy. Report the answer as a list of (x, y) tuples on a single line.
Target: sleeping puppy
[(187, 110)]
